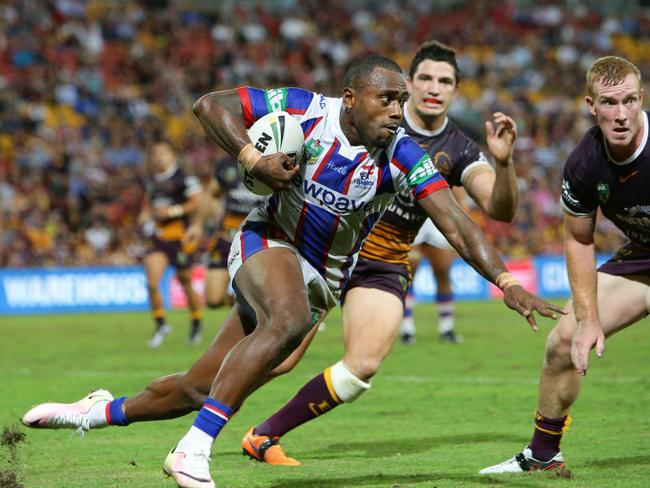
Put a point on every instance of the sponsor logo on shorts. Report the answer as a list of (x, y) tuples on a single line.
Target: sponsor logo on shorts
[(233, 257)]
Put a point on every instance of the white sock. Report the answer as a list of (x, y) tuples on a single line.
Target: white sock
[(195, 440), (408, 326), (445, 317), (97, 415)]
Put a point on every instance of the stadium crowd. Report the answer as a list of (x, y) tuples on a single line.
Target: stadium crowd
[(85, 86)]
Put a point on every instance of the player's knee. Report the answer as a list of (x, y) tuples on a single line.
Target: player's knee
[(365, 366), (347, 386), (214, 302), (558, 347), (290, 326)]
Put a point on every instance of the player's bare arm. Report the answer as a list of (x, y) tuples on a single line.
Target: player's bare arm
[(470, 242), (497, 193), (221, 116), (204, 208), (188, 207), (581, 267)]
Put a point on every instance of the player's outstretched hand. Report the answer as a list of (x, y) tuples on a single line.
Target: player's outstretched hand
[(517, 298), (276, 170), (501, 137), (586, 336)]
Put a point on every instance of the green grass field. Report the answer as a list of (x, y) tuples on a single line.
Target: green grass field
[(435, 415)]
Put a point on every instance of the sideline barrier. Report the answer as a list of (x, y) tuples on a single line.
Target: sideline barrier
[(103, 289), (543, 275)]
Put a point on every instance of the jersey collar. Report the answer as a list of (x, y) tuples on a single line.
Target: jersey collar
[(165, 175), (420, 130)]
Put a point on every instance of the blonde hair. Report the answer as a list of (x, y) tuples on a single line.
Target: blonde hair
[(610, 70)]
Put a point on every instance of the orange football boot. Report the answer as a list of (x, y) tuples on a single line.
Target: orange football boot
[(266, 450)]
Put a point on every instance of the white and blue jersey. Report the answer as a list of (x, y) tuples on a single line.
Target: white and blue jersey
[(341, 190)]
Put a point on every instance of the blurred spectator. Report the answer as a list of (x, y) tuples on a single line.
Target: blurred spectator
[(85, 85)]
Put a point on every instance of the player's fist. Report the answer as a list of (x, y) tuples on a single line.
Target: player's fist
[(276, 171)]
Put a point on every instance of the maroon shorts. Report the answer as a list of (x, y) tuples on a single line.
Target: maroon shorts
[(219, 253), (631, 259), (174, 251), (389, 277)]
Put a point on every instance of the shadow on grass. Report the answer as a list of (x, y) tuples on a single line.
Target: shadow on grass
[(395, 481), (405, 446), (617, 461)]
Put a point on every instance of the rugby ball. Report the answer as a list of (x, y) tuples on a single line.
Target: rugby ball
[(273, 133)]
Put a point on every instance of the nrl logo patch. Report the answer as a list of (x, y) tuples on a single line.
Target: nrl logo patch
[(603, 192), (312, 151)]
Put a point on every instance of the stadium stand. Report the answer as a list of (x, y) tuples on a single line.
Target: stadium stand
[(85, 85)]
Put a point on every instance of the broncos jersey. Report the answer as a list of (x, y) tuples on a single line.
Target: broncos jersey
[(239, 200), (341, 190), (172, 189), (455, 156), (593, 179)]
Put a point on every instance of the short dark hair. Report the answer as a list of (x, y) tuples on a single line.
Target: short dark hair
[(435, 51), (362, 67)]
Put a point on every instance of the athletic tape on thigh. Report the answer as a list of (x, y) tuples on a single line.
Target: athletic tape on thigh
[(347, 386)]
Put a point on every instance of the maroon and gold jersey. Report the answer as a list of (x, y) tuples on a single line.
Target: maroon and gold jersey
[(239, 200), (593, 179), (456, 157), (172, 188)]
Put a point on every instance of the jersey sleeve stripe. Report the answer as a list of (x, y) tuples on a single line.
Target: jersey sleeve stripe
[(298, 100), (246, 105), (422, 191), (574, 213), (399, 166), (309, 125)]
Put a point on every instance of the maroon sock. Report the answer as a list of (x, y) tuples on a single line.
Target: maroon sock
[(547, 436), (315, 398)]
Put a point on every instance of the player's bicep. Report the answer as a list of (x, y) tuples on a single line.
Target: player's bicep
[(580, 229), (480, 188), (226, 99)]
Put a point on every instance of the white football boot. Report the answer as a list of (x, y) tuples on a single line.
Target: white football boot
[(190, 469), (66, 415), (159, 336), (524, 461)]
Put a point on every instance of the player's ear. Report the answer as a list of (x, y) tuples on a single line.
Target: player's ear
[(348, 98), (590, 105)]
